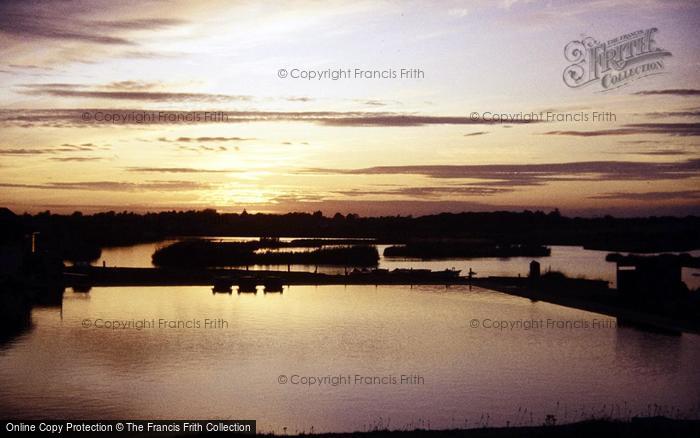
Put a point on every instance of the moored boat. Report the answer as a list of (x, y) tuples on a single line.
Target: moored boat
[(273, 284), (222, 285), (247, 284)]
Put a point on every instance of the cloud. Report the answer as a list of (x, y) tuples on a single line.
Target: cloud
[(149, 54), (299, 99), (131, 85), (80, 91), (518, 175), (571, 14), (663, 152), (68, 147), (27, 151), (30, 67), (74, 117), (694, 113), (114, 186), (650, 196), (204, 148), (643, 142), (673, 129), (29, 70), (26, 26), (70, 21), (64, 148), (427, 192), (398, 120), (670, 92), (373, 102), (203, 139), (77, 159), (178, 170), (139, 23)]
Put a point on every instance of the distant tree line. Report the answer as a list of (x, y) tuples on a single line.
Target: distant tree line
[(78, 230)]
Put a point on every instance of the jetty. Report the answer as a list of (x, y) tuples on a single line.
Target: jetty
[(588, 295), (112, 276)]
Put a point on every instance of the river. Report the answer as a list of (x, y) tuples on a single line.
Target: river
[(344, 358)]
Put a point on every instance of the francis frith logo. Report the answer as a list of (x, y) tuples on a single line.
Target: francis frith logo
[(614, 63)]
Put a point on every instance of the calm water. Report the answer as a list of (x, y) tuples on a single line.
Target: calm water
[(573, 261), (62, 370)]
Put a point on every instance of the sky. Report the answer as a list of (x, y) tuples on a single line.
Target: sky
[(153, 105)]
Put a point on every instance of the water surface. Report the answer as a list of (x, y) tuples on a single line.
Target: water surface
[(571, 260), (471, 376)]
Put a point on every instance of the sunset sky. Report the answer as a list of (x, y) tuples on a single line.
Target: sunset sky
[(368, 146)]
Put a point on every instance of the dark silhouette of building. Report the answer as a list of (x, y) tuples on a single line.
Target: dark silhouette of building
[(649, 279), (534, 270)]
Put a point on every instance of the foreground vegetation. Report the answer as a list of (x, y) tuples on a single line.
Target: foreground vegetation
[(652, 427)]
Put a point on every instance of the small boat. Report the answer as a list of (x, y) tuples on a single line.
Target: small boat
[(81, 288), (362, 271), (80, 282), (247, 284), (273, 284), (222, 285), (412, 272), (451, 273)]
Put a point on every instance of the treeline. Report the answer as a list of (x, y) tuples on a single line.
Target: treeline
[(528, 227)]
